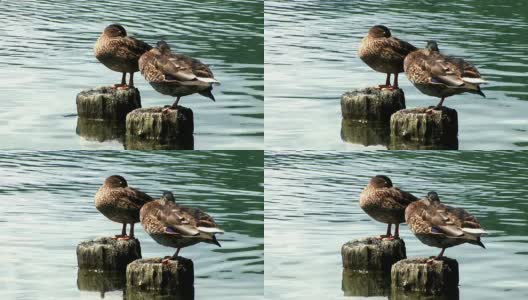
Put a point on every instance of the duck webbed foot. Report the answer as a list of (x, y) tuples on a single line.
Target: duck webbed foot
[(166, 108)]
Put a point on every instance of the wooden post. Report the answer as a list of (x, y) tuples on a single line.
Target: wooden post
[(107, 103), (151, 274), (365, 284), (422, 128), (431, 277), (365, 133), (154, 128), (372, 104), (107, 254), (372, 254)]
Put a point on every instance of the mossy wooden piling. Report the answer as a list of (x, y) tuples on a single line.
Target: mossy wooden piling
[(424, 128), (426, 276), (154, 275), (372, 254), (371, 104), (107, 254), (159, 128), (107, 103)]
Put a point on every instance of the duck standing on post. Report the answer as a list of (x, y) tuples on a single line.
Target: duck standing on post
[(120, 53), (176, 75), (385, 203), (384, 53), (120, 203), (176, 226), (442, 226), (439, 75)]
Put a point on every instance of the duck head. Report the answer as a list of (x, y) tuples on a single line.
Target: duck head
[(432, 46), (379, 31), (115, 30), (115, 181), (433, 196), (380, 181), (163, 47), (168, 196)]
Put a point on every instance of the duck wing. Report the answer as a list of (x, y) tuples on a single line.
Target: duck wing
[(137, 197), (448, 220), (451, 71), (402, 197), (199, 218), (399, 47), (129, 48), (184, 69)]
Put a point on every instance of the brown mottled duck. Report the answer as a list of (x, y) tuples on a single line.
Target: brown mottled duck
[(442, 226), (439, 75), (385, 203), (120, 203), (384, 53), (176, 75), (176, 226), (120, 53)]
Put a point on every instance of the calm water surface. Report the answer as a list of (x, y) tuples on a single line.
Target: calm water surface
[(46, 58), (48, 209), (310, 60), (312, 209)]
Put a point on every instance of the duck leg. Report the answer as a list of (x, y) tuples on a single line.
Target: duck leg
[(131, 235), (387, 82), (395, 86), (397, 231), (175, 104), (123, 233), (123, 82), (439, 105), (388, 235), (176, 254), (441, 253), (131, 81)]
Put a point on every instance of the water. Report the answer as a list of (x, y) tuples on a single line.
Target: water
[(311, 59), (48, 209), (312, 203), (46, 58)]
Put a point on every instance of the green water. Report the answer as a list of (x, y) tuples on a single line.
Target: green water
[(312, 202), (48, 208)]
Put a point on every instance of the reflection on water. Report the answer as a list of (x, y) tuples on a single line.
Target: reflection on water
[(100, 131), (131, 294), (101, 282), (311, 60), (367, 134), (312, 203), (48, 209), (365, 284), (47, 58)]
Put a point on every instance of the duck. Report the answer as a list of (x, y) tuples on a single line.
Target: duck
[(172, 225), (384, 53), (176, 75), (120, 52), (120, 203), (442, 226), (385, 203), (439, 75)]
